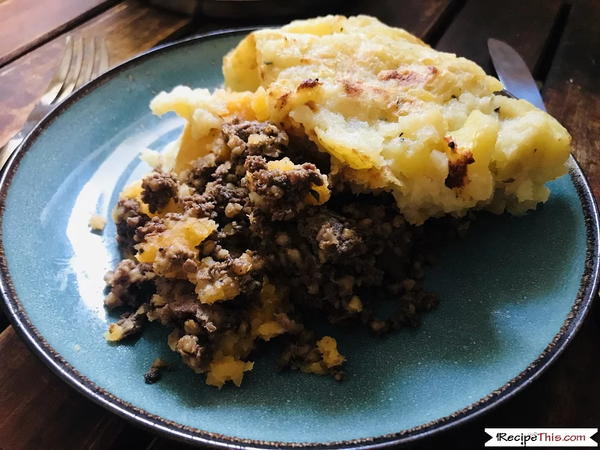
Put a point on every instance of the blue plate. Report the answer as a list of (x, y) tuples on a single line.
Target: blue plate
[(512, 294)]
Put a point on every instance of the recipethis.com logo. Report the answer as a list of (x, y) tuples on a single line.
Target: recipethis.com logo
[(541, 437)]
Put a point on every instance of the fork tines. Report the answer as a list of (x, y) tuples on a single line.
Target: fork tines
[(84, 59)]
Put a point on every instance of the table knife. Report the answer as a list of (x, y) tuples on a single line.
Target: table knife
[(514, 73)]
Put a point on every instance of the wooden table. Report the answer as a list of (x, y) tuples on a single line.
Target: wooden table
[(558, 39)]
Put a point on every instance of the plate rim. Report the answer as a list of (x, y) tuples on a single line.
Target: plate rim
[(66, 372)]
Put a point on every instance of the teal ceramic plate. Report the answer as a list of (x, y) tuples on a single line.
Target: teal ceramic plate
[(512, 294)]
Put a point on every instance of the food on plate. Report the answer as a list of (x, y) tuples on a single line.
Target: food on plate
[(97, 222), (320, 180), (154, 373)]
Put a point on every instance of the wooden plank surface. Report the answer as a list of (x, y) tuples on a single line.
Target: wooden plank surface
[(566, 395), (422, 18), (27, 23), (129, 28), (572, 88), (37, 410), (523, 24)]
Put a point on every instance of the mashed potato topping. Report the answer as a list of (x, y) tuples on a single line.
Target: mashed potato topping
[(394, 114)]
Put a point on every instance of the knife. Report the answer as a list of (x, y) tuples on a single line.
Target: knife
[(514, 73)]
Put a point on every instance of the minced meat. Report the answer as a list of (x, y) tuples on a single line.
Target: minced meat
[(128, 219), (278, 253), (157, 189)]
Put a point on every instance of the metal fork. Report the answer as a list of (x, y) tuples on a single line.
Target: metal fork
[(83, 60)]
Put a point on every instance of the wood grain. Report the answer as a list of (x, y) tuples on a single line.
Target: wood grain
[(36, 407), (37, 410), (129, 28), (572, 89), (419, 17), (27, 23), (525, 25)]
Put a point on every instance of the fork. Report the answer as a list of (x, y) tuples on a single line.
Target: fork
[(82, 61)]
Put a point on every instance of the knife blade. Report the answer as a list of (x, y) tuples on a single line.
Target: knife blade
[(514, 73)]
